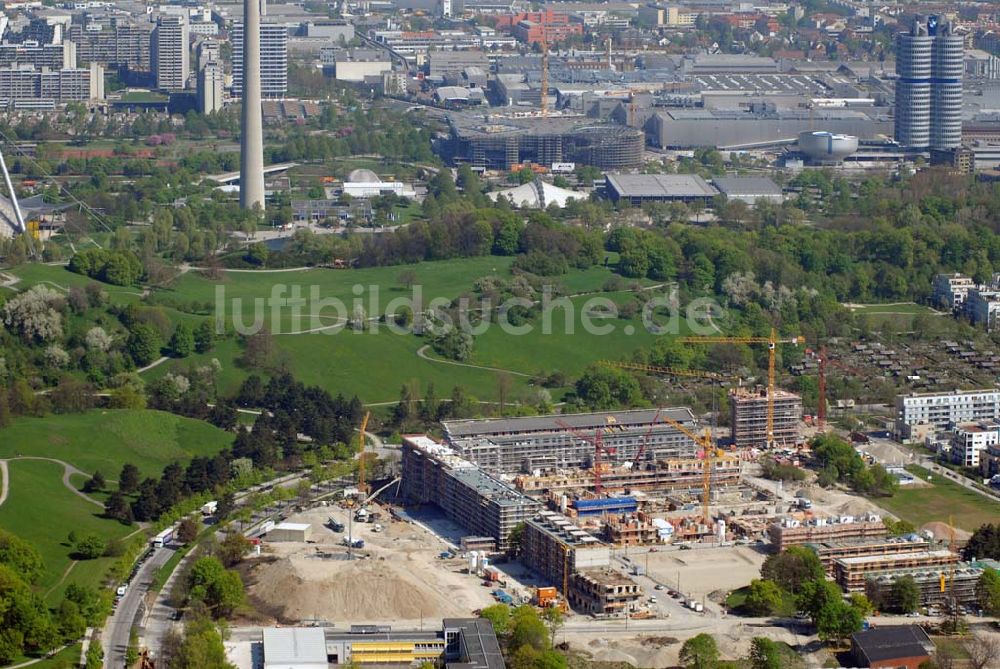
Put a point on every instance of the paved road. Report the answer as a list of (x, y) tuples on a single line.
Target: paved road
[(119, 626)]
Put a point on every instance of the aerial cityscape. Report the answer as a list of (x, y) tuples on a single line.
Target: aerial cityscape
[(476, 334)]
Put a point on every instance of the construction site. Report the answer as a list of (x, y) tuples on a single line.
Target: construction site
[(589, 512)]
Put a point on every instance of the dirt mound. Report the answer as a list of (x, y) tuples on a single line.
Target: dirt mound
[(942, 531), (854, 507), (302, 588)]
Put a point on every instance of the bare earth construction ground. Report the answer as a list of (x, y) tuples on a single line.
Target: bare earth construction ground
[(397, 578)]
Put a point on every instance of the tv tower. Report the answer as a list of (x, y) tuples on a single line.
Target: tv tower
[(251, 127)]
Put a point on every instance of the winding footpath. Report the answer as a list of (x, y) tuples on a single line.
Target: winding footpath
[(68, 471), (422, 352)]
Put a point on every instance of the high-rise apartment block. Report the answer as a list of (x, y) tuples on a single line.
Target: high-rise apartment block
[(273, 60), (27, 86), (211, 78), (930, 63), (119, 45), (53, 56), (170, 52)]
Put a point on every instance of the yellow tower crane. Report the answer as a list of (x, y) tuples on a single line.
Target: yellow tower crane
[(362, 486), (710, 453), (668, 371), (772, 342)]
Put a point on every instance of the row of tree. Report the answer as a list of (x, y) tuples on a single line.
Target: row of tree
[(27, 625)]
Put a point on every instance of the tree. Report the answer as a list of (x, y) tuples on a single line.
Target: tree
[(792, 567), (182, 342), (70, 622), (258, 352), (95, 483), (219, 589), (763, 598), (905, 594), (201, 647), (232, 549), (988, 592), (97, 339), (144, 344), (256, 254), (95, 657), (90, 547), (833, 617), (204, 337), (35, 314), (603, 388), (187, 531), (514, 540), (699, 652), (407, 278), (984, 543), (499, 617), (983, 650), (765, 654), (527, 629), (21, 557), (128, 480), (116, 507), (554, 618), (453, 343)]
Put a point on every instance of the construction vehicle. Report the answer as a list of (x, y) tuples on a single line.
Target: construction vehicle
[(546, 596), (772, 342)]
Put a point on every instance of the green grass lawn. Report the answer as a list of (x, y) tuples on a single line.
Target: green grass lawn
[(941, 501), (374, 366), (67, 657), (541, 351), (903, 308), (106, 439), (41, 510), (57, 276)]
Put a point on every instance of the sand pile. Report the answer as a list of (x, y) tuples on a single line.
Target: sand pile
[(855, 507), (359, 590), (942, 531)]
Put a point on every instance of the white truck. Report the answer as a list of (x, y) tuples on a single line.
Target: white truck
[(163, 538)]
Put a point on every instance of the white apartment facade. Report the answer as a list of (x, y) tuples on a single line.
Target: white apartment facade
[(951, 290), (983, 307), (972, 439), (211, 80), (170, 52), (273, 60), (943, 410)]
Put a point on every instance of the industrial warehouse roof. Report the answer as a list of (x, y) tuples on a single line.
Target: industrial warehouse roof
[(294, 648), (660, 185), (894, 642), (479, 646), (493, 124), (747, 186), (457, 429)]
